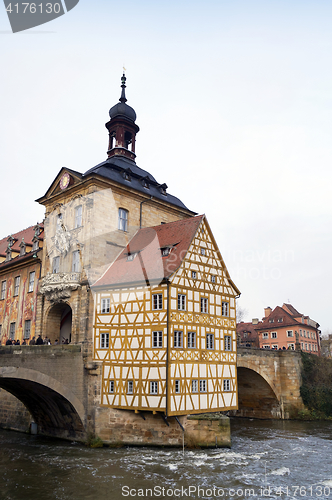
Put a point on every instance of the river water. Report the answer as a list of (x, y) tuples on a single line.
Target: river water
[(268, 460)]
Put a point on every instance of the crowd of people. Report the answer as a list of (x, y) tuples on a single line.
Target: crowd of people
[(36, 341)]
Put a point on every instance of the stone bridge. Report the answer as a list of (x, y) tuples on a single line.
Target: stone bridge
[(55, 384), (269, 383), (51, 383)]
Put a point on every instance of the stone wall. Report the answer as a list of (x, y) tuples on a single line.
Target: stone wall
[(121, 427), (13, 413)]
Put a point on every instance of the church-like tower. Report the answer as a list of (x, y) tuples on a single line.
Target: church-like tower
[(122, 127)]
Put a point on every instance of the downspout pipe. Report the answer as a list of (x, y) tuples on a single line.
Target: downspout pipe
[(140, 210)]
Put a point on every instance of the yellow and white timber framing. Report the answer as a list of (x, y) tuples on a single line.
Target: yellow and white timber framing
[(165, 349)]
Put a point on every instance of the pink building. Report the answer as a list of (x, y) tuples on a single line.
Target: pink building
[(282, 328)]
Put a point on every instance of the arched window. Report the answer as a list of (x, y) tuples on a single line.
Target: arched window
[(123, 219)]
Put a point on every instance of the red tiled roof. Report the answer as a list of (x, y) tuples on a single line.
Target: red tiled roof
[(28, 235), (289, 308), (148, 264), (277, 314)]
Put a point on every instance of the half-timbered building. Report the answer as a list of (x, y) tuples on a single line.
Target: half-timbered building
[(165, 325)]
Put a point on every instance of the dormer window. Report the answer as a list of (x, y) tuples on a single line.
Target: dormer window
[(126, 175), (8, 254), (11, 241), (280, 320), (162, 189), (165, 251), (271, 320), (145, 184), (22, 248), (37, 229), (35, 246)]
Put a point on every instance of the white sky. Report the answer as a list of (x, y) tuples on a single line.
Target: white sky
[(234, 103)]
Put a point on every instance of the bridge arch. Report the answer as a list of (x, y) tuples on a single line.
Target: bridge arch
[(55, 409), (256, 395)]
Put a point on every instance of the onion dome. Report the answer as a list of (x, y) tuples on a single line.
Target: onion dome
[(122, 109)]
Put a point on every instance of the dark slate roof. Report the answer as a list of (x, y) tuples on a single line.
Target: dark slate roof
[(148, 264), (114, 169)]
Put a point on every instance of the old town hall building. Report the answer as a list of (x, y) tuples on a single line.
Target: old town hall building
[(125, 269)]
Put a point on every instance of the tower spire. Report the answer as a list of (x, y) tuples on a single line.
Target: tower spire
[(123, 86)]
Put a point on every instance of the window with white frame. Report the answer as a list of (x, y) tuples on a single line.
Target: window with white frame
[(266, 347), (123, 219), (265, 335), (225, 309), (306, 347), (204, 305), (31, 281), (111, 387), (104, 340), (280, 320), (202, 386), (76, 262), (56, 265), (193, 275), (273, 335), (181, 302), (153, 387), (194, 386), (202, 251), (130, 387), (27, 328), (157, 339), (302, 346), (304, 333), (177, 386), (78, 216), (275, 346), (157, 301), (191, 340), (289, 333), (228, 343), (3, 289), (291, 347), (12, 328), (210, 341), (301, 333), (178, 338), (213, 278), (227, 385), (105, 306), (17, 285)]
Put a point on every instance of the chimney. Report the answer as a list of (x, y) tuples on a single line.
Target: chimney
[(267, 311), (255, 321)]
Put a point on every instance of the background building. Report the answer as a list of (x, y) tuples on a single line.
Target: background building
[(282, 328)]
